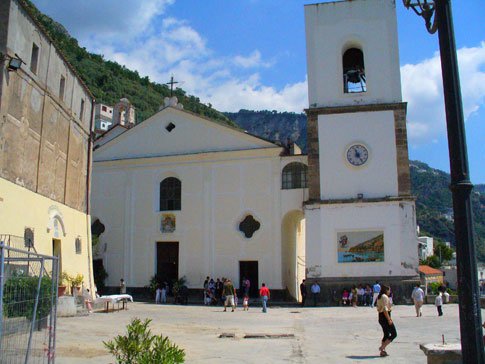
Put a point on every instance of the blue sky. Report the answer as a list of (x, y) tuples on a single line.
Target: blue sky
[(251, 54)]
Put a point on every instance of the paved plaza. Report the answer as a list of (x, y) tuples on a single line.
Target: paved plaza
[(314, 335)]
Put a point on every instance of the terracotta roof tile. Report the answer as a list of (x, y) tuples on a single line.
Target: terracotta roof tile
[(426, 269)]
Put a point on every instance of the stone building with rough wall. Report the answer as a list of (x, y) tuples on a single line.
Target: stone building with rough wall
[(46, 114)]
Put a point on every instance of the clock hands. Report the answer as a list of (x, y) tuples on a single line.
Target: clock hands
[(357, 155)]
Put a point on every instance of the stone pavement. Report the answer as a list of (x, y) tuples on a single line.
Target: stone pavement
[(313, 335)]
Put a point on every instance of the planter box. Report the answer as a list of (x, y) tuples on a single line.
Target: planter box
[(66, 306)]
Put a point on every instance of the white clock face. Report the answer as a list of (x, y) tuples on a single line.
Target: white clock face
[(357, 154)]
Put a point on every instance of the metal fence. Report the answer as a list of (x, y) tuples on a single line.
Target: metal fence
[(28, 305)]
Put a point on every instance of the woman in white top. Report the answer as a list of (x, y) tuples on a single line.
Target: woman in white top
[(384, 313)]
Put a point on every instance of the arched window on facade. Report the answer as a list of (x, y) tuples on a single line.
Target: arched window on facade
[(78, 246), (294, 176), (354, 71), (170, 194)]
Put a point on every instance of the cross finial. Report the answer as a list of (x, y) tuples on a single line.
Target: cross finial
[(171, 83)]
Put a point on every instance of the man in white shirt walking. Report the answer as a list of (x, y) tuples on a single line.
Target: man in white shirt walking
[(376, 288), (418, 298), (315, 292)]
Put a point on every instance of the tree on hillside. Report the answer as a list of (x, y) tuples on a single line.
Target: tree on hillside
[(443, 252)]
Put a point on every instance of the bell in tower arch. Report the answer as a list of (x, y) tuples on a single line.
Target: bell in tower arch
[(353, 71)]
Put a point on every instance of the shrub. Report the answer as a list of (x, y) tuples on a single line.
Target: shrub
[(433, 287), (139, 346), (155, 281), (20, 294)]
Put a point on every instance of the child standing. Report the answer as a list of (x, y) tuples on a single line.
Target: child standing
[(164, 293), (158, 295), (246, 303), (438, 302)]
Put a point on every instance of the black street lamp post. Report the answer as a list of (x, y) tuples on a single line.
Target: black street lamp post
[(437, 15)]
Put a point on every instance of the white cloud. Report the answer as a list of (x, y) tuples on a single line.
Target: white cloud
[(236, 94), (423, 90), (253, 60), (95, 23)]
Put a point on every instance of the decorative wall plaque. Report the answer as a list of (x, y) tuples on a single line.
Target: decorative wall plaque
[(249, 226), (168, 223)]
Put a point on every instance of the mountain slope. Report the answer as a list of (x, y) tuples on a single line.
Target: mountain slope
[(434, 207), (273, 125)]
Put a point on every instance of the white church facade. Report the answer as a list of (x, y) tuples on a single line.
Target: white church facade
[(180, 195), (183, 196)]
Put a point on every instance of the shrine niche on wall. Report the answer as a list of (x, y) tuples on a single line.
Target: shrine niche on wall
[(249, 226), (360, 246), (29, 238), (167, 224)]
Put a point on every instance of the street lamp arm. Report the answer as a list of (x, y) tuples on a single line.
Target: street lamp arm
[(426, 10)]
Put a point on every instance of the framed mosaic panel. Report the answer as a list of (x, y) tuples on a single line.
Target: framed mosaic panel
[(360, 246)]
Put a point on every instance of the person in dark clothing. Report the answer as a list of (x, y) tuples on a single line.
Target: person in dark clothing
[(219, 287), (303, 293)]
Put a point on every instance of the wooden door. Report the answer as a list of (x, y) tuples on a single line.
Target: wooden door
[(168, 261)]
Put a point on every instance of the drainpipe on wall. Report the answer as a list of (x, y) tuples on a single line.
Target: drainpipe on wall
[(88, 192)]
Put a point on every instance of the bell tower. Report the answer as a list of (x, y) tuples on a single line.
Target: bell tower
[(360, 215)]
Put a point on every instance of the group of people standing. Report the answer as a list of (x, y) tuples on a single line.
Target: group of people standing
[(314, 289), (356, 296), (161, 293), (213, 291), (222, 291)]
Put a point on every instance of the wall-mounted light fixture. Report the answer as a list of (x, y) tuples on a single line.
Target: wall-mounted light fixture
[(14, 63)]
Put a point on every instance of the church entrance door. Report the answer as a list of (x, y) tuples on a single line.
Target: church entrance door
[(57, 252), (168, 261), (249, 269)]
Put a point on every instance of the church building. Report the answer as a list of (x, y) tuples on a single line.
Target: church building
[(183, 196)]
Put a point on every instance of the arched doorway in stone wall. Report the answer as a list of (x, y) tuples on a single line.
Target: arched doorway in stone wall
[(57, 229), (293, 251)]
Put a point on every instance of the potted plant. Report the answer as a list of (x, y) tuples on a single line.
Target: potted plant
[(63, 282), (76, 282)]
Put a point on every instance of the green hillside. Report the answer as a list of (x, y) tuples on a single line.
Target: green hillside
[(434, 208), (272, 125), (110, 81)]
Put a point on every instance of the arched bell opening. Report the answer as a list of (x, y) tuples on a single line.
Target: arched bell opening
[(354, 71)]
